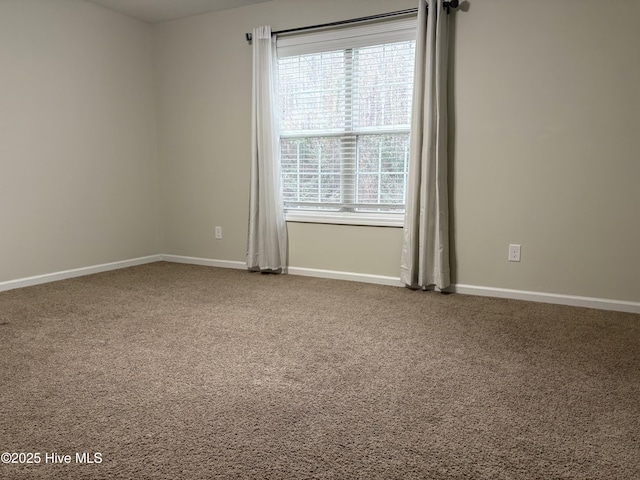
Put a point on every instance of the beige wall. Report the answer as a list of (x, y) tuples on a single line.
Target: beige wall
[(547, 104), (204, 78), (78, 164), (546, 151), (545, 144)]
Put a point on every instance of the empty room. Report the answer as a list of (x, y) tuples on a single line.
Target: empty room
[(300, 239)]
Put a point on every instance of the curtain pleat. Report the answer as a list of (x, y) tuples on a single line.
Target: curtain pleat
[(267, 239), (425, 249)]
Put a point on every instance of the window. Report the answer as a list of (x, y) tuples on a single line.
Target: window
[(345, 108)]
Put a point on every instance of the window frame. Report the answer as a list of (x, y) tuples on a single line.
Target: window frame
[(347, 39)]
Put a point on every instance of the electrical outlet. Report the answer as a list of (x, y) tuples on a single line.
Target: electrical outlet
[(514, 253), (219, 233)]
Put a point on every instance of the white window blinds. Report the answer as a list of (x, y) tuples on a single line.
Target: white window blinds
[(345, 107)]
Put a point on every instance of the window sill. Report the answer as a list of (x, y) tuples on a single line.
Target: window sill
[(337, 218)]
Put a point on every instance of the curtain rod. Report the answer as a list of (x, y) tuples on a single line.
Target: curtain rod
[(447, 5), (249, 36)]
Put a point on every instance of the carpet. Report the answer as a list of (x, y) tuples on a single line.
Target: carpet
[(169, 371)]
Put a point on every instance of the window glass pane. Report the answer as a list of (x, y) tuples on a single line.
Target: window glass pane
[(392, 188), (382, 92), (312, 92), (344, 125), (382, 168), (311, 169)]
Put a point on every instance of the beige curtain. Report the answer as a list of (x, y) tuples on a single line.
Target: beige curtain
[(267, 240), (425, 250)]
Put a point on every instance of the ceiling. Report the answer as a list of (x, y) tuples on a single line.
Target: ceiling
[(154, 11)]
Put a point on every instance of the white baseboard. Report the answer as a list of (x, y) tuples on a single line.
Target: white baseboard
[(305, 272), (572, 300), (76, 272), (354, 277), (207, 262)]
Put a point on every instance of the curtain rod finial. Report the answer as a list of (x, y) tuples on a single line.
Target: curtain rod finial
[(249, 37), (451, 4)]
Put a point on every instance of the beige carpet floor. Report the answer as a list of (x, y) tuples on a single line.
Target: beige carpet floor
[(169, 371)]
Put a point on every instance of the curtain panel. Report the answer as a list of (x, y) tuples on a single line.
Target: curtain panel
[(267, 238), (425, 249)]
